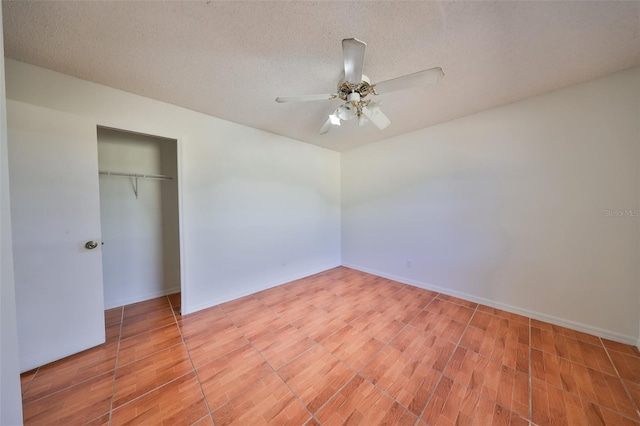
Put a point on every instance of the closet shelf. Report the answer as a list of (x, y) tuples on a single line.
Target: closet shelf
[(135, 177)]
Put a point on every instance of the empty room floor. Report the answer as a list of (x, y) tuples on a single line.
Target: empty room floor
[(339, 347)]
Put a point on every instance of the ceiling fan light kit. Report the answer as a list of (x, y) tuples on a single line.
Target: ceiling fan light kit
[(355, 106)]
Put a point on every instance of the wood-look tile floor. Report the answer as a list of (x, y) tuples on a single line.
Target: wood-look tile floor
[(339, 347)]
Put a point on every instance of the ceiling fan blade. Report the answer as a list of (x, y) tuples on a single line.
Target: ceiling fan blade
[(353, 53), (306, 98), (376, 116), (419, 78), (326, 126)]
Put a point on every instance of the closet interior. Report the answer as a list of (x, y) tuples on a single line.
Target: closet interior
[(139, 216)]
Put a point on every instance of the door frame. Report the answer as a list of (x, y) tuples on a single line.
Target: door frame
[(181, 229)]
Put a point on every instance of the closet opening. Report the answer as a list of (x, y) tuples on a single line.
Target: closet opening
[(139, 215)]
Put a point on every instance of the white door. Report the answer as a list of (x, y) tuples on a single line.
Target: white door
[(55, 211)]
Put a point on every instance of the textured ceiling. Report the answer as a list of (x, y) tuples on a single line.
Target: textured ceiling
[(231, 59)]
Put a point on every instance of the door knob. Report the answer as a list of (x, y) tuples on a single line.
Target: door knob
[(91, 245)]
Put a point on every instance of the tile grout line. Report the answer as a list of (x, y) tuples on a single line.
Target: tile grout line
[(407, 324), (186, 349), (435, 387), (151, 391), (259, 352), (594, 401), (530, 378), (47, 395), (86, 350), (329, 335), (23, 392), (316, 343), (624, 385), (357, 372), (250, 342), (115, 367), (148, 392), (272, 368), (202, 418), (585, 398), (285, 382)]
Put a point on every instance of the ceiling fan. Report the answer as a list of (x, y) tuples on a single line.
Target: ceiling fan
[(357, 87)]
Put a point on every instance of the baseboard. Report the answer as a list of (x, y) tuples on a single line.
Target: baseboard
[(254, 290), (141, 298), (607, 334)]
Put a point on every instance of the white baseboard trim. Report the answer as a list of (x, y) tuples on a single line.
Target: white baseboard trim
[(141, 298), (607, 334), (254, 290)]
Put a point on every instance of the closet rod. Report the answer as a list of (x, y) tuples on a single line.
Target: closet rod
[(136, 175)]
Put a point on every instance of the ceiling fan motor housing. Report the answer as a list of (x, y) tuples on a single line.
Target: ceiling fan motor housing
[(363, 89)]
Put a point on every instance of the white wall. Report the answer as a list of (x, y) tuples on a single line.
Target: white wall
[(257, 209), (10, 395), (508, 207), (141, 251)]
